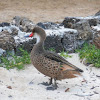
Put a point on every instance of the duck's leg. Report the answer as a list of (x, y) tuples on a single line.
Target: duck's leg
[(50, 82), (47, 83), (55, 84)]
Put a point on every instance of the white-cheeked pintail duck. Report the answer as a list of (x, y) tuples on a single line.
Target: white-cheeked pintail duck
[(49, 63)]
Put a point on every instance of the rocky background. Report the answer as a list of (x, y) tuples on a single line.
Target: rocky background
[(67, 35)]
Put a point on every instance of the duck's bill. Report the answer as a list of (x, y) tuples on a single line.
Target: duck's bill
[(31, 35)]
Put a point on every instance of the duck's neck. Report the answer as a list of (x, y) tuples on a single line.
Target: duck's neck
[(38, 39), (39, 46)]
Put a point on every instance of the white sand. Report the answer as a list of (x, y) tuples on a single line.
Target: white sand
[(26, 84)]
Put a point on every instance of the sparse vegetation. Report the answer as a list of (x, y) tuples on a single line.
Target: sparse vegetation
[(91, 53), (16, 61), (52, 49), (62, 53), (65, 54)]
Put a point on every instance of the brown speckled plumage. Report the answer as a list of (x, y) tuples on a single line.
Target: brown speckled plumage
[(49, 63)]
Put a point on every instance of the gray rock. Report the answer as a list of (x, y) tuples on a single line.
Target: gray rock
[(7, 29), (48, 25), (61, 39), (69, 41), (16, 20), (14, 31), (54, 42), (93, 22), (2, 51), (4, 24), (23, 23), (84, 30), (7, 42), (98, 13), (70, 21), (27, 45), (83, 26), (56, 39), (96, 39), (77, 30)]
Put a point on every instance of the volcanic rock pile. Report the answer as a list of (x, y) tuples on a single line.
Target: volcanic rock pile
[(67, 36)]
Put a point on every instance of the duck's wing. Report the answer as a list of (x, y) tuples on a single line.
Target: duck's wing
[(65, 65)]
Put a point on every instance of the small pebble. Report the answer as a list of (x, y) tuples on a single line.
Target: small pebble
[(67, 90), (31, 83), (9, 87), (97, 75), (95, 92), (10, 96)]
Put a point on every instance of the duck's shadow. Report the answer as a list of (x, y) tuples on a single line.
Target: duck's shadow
[(49, 87), (45, 83)]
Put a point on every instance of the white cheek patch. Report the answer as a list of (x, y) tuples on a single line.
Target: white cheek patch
[(37, 37)]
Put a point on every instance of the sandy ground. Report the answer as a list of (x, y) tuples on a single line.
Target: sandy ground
[(27, 84), (47, 10)]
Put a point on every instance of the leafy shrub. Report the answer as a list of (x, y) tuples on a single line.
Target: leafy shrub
[(62, 53), (91, 53), (65, 54), (16, 61)]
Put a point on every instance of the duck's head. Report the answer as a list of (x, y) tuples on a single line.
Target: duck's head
[(38, 33)]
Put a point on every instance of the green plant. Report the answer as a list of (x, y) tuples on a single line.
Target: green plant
[(65, 54), (16, 61), (91, 53), (62, 53), (52, 49), (25, 56)]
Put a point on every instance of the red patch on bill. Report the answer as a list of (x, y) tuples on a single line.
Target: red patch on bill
[(31, 35)]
